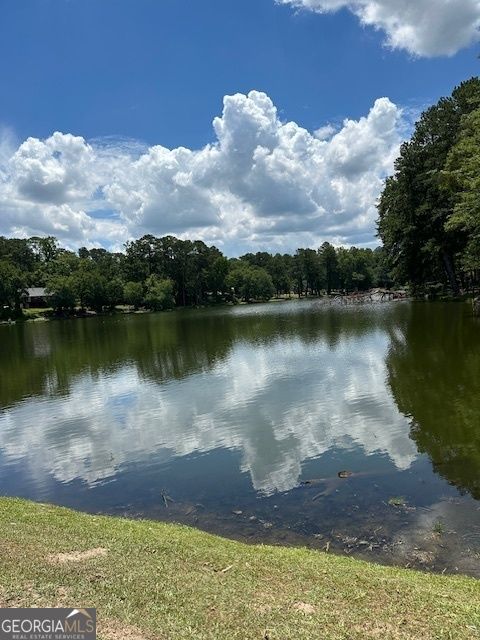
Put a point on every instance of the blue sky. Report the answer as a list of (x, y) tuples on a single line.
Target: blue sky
[(157, 71)]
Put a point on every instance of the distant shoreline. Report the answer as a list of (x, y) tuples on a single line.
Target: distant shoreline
[(360, 299)]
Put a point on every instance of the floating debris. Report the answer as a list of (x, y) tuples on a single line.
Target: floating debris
[(166, 499), (397, 501)]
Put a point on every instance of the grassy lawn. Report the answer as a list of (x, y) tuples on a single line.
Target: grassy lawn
[(35, 312), (152, 580)]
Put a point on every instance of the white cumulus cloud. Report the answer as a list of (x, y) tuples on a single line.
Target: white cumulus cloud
[(422, 27), (262, 183)]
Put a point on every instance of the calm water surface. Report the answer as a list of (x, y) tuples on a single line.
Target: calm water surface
[(238, 421)]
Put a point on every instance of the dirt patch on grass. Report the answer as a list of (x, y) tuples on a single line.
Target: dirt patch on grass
[(108, 629), (77, 556), (304, 607), (393, 631)]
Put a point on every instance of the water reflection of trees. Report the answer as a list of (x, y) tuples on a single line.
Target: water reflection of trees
[(43, 358), (434, 373)]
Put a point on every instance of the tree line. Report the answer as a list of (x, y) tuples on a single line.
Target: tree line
[(429, 211), (161, 273)]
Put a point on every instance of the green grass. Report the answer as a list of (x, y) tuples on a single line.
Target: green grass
[(34, 312), (439, 528), (154, 580)]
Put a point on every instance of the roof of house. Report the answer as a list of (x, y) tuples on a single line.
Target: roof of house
[(36, 292)]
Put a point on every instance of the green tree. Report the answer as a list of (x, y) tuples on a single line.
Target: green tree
[(216, 276), (65, 263), (91, 288), (18, 253), (250, 282), (45, 249), (110, 265), (62, 290), (381, 270), (462, 180), (262, 286), (308, 272), (12, 286), (142, 258), (281, 274), (415, 208), (159, 293), (114, 292), (329, 265), (133, 293), (237, 276)]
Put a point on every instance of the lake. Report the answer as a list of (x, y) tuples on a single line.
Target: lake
[(353, 429)]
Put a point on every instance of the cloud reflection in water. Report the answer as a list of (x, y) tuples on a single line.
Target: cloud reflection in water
[(278, 403)]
